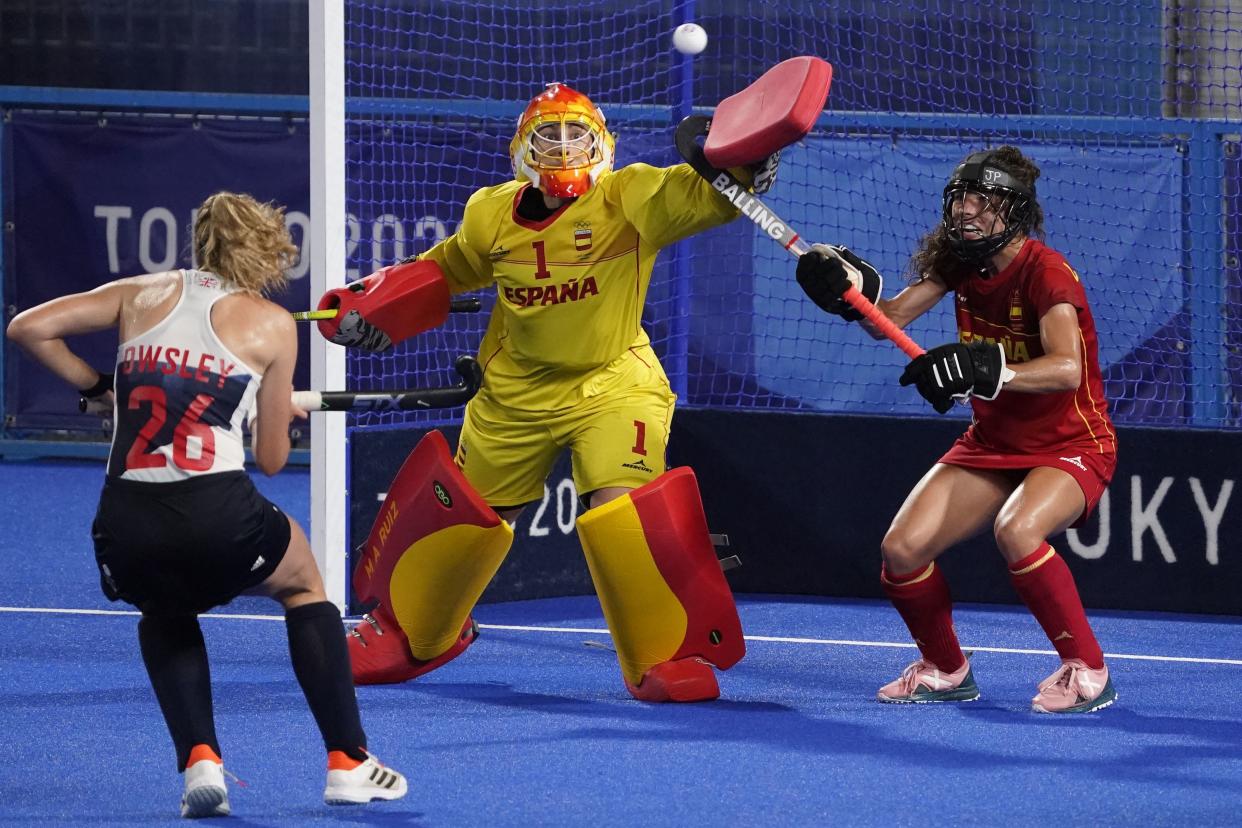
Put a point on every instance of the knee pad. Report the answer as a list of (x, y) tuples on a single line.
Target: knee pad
[(658, 579), (433, 549)]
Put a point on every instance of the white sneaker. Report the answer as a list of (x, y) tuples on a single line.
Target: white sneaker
[(351, 782), (205, 794)]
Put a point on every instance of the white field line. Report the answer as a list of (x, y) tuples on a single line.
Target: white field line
[(830, 642)]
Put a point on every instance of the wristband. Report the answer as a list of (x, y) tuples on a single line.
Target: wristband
[(103, 385)]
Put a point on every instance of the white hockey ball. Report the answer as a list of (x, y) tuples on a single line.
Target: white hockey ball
[(689, 38)]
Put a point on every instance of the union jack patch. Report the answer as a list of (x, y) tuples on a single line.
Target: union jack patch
[(582, 238)]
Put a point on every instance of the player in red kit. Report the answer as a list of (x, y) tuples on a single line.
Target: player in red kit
[(180, 526), (1041, 449)]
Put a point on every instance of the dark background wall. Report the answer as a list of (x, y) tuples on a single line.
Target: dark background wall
[(806, 498), (257, 46)]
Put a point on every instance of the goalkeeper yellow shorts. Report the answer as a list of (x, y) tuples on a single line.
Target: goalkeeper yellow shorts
[(617, 436)]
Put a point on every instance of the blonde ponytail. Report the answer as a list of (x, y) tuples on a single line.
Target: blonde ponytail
[(244, 241)]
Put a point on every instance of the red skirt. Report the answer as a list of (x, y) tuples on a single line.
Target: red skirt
[(1090, 469)]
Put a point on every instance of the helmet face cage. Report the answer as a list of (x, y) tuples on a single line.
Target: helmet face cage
[(561, 145), (1009, 199)]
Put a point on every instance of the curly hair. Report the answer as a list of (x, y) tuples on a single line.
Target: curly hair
[(934, 254), (244, 241)]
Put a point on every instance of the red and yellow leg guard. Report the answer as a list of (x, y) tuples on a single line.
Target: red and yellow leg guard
[(658, 580), (433, 549)]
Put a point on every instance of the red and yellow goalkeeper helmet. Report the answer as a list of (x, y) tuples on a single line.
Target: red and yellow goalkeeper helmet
[(562, 144)]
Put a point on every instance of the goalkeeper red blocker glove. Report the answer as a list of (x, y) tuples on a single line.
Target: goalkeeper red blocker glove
[(826, 273), (958, 371), (387, 307)]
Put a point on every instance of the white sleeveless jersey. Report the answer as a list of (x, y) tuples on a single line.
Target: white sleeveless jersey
[(181, 395)]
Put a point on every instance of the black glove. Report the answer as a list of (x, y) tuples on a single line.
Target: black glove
[(356, 332), (958, 371), (93, 400), (765, 173), (826, 272)]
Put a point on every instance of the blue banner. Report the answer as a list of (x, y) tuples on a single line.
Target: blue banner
[(1131, 270), (93, 199)]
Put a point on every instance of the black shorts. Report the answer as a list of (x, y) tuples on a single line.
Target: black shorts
[(188, 546)]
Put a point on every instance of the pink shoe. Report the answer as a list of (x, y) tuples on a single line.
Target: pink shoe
[(923, 682), (1074, 688)]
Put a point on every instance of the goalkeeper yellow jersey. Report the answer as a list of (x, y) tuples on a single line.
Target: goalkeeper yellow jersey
[(570, 289)]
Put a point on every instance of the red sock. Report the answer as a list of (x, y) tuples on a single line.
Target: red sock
[(922, 598), (1046, 586)]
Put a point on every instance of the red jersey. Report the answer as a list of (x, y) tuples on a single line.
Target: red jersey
[(1006, 309)]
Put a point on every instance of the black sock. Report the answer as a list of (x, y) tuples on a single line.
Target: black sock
[(176, 659), (321, 663)]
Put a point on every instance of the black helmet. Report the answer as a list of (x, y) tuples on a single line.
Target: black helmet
[(1013, 202)]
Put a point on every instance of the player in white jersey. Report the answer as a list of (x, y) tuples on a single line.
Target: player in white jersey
[(187, 394), (180, 527)]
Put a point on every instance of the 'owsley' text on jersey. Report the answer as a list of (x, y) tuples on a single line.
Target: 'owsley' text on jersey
[(181, 396)]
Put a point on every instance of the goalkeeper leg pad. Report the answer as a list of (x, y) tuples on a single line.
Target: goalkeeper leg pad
[(667, 604), (433, 549)]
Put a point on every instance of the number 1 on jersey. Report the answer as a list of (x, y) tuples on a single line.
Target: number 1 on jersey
[(640, 438), (541, 262)]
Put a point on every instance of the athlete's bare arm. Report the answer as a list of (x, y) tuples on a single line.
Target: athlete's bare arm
[(264, 336), (910, 304), (41, 331), (258, 331), (1060, 368)]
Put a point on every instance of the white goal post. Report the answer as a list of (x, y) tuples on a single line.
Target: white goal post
[(325, 245)]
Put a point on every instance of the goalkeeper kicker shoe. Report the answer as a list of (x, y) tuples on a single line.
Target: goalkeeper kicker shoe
[(923, 682), (681, 680), (205, 794), (379, 652), (1074, 688), (351, 782)]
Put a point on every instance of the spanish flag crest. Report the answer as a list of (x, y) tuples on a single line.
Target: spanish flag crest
[(582, 238), (1015, 310)]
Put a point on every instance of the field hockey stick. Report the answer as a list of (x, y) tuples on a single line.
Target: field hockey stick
[(470, 305), (413, 399), (773, 226)]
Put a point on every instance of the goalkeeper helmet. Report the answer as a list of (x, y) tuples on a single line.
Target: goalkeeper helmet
[(562, 144), (1002, 194)]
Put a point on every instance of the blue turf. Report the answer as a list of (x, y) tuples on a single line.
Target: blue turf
[(534, 728)]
